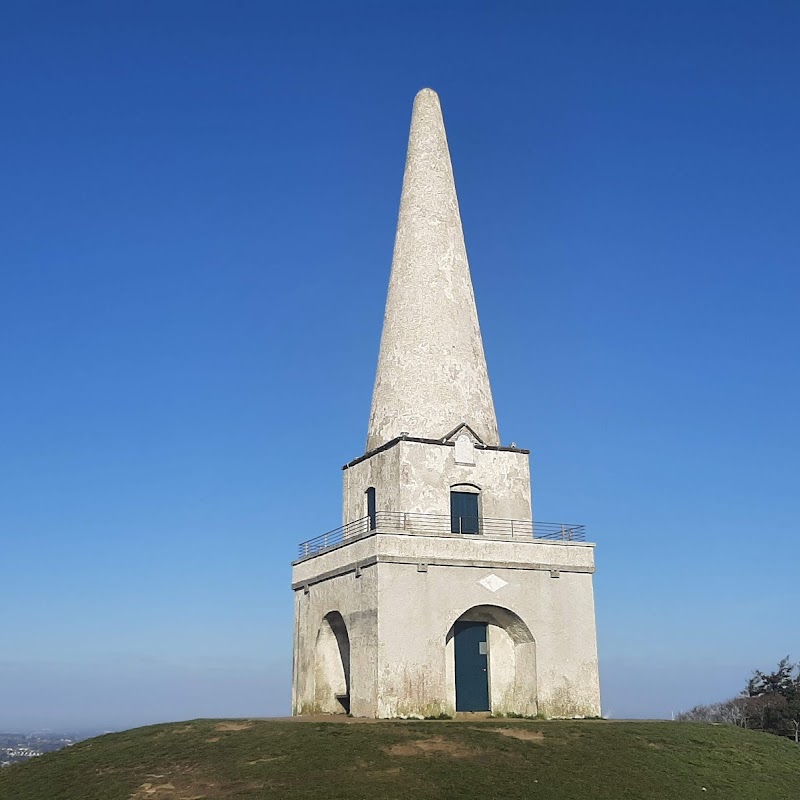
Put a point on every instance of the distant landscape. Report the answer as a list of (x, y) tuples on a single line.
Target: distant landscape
[(18, 747)]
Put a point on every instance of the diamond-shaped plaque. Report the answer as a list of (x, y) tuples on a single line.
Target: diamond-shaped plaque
[(492, 582)]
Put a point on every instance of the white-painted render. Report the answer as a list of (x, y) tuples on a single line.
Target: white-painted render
[(375, 612), (431, 368)]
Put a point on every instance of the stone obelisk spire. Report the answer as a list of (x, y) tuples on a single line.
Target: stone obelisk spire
[(431, 370)]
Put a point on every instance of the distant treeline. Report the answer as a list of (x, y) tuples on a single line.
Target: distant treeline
[(770, 702)]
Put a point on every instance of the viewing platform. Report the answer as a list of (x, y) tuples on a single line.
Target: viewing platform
[(444, 525)]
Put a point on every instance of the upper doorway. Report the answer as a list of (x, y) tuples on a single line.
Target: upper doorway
[(464, 512)]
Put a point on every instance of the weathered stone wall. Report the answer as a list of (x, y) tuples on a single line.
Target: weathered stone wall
[(431, 368), (417, 609), (563, 622), (355, 598), (417, 477), (382, 471), (412, 590)]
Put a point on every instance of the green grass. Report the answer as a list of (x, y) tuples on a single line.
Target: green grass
[(435, 759)]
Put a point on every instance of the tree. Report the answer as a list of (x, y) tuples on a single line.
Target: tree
[(774, 699), (793, 709), (770, 702), (779, 682)]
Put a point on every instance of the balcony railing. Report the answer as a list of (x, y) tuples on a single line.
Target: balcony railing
[(443, 525)]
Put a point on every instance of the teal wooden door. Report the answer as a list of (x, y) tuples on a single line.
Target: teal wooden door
[(472, 675), (464, 512)]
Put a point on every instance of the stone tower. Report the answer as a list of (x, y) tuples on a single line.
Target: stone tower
[(439, 593)]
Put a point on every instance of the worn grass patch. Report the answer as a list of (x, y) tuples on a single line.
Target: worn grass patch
[(431, 745), (257, 759), (233, 725), (520, 732)]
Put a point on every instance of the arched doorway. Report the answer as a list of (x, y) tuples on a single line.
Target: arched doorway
[(492, 662), (332, 666)]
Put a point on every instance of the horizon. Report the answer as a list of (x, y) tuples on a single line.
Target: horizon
[(199, 219)]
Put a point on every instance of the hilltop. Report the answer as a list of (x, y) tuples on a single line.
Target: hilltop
[(250, 759)]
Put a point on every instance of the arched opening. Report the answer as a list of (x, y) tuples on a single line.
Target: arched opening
[(332, 666), (492, 662)]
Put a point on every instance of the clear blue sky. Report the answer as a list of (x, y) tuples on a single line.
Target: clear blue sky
[(198, 211)]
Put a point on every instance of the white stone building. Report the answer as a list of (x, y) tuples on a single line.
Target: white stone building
[(439, 593)]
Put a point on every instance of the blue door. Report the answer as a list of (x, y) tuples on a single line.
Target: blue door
[(463, 512), (472, 677)]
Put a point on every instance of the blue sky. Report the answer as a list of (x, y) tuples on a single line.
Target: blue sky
[(198, 211)]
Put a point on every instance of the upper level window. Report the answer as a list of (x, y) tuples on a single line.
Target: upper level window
[(371, 510), (464, 512)]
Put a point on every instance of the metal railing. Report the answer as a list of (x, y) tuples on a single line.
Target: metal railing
[(335, 537), (444, 525)]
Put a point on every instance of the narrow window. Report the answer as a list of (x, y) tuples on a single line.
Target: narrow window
[(371, 512), (464, 512)]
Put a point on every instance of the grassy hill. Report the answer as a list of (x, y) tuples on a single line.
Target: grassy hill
[(249, 759)]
